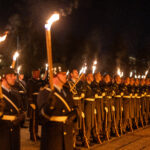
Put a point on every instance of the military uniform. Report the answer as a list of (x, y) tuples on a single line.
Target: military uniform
[(10, 121), (98, 104), (57, 117), (34, 86), (89, 107), (118, 105), (148, 102), (126, 108), (143, 103)]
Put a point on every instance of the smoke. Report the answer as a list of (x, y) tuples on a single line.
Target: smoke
[(68, 10)]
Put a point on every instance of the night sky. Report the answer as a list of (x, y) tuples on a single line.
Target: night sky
[(107, 30)]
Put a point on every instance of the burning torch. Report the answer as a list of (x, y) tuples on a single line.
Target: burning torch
[(52, 19), (15, 56)]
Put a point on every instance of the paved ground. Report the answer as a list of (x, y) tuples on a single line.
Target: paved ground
[(138, 140)]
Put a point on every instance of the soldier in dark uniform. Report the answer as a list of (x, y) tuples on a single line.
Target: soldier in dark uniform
[(33, 86), (76, 96), (127, 122), (148, 99), (58, 115), (117, 87), (109, 107), (143, 100), (12, 115), (132, 102), (20, 86), (137, 108), (89, 109), (98, 99)]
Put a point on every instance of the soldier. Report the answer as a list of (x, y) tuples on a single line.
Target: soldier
[(148, 99), (98, 100), (12, 115), (137, 108), (89, 109), (20, 86), (143, 100), (109, 107), (34, 84), (132, 102), (76, 95), (117, 86), (57, 115), (127, 122)]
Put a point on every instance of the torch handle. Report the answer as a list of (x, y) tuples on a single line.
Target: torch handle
[(49, 57), (13, 64)]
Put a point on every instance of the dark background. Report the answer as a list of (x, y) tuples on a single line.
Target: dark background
[(107, 30)]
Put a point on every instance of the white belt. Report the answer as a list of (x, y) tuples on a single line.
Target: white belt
[(126, 96), (109, 97), (76, 98), (99, 96), (89, 99), (35, 93), (138, 96), (21, 92), (58, 118), (118, 96), (9, 117)]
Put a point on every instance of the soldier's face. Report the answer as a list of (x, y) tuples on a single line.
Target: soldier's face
[(11, 79), (75, 74), (62, 77), (127, 81), (118, 80), (142, 82), (132, 81), (90, 77), (98, 77), (107, 79), (136, 82), (36, 74)]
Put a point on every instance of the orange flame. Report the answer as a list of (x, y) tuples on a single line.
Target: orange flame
[(2, 38)]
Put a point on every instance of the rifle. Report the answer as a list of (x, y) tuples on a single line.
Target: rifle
[(98, 137), (84, 131)]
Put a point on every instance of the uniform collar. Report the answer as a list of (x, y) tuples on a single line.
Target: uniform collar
[(8, 90)]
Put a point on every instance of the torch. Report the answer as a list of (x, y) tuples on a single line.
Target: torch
[(14, 59), (3, 38), (52, 19), (18, 69), (131, 74), (94, 66)]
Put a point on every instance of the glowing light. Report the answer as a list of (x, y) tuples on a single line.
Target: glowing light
[(139, 76), (15, 56), (121, 74), (135, 76), (50, 21), (18, 69), (93, 69), (131, 74), (3, 38), (146, 72), (46, 67), (67, 72)]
